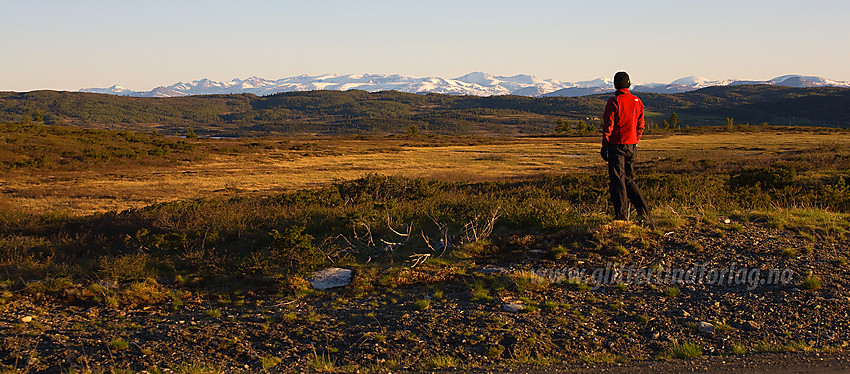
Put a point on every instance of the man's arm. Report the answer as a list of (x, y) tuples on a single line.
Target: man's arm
[(608, 120), (639, 127)]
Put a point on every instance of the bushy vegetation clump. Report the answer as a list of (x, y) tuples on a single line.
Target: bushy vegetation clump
[(50, 146)]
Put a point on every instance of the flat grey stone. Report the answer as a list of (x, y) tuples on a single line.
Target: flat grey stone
[(706, 328), (514, 307), (330, 278), (493, 270)]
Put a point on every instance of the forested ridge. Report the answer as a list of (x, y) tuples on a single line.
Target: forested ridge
[(360, 112)]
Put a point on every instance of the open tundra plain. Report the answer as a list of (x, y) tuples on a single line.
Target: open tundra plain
[(130, 252)]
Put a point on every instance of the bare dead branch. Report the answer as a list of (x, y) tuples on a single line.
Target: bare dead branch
[(480, 228), (418, 258)]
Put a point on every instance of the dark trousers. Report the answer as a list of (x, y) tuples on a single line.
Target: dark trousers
[(622, 181)]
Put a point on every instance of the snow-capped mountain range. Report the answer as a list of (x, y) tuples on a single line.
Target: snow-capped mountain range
[(477, 84)]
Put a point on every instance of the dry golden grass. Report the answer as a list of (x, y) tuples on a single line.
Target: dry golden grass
[(277, 167)]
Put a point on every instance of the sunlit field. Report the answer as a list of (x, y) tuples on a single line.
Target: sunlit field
[(262, 166)]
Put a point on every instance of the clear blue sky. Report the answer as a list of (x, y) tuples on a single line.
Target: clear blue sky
[(143, 44)]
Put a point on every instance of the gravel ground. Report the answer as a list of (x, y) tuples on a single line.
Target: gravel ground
[(441, 318), (757, 363)]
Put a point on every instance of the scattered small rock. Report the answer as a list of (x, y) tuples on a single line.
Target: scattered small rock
[(337, 316), (487, 270), (514, 307), (706, 328), (751, 325), (330, 278)]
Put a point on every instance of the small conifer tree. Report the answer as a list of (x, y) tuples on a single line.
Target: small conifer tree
[(674, 120)]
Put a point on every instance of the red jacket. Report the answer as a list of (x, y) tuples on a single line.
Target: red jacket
[(623, 119)]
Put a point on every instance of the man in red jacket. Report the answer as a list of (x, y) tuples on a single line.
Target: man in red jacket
[(622, 129)]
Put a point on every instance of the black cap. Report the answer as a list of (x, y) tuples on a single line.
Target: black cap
[(621, 80)]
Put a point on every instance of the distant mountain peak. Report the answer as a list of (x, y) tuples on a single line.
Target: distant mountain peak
[(691, 80), (475, 83), (474, 75)]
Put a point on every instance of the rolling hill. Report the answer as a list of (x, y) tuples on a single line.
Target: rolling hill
[(327, 112)]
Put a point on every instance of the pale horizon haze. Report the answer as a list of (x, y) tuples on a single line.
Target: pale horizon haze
[(69, 45)]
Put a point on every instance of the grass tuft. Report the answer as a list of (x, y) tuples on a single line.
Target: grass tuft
[(685, 350), (560, 252), (768, 347), (196, 368), (738, 349), (672, 291), (269, 362), (789, 252), (442, 362), (798, 345), (524, 280), (422, 304), (695, 246), (811, 283), (119, 344), (495, 351), (479, 291), (323, 363)]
